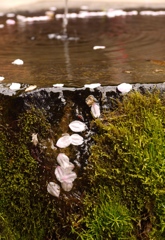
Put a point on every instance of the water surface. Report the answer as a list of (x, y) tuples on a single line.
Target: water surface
[(134, 51)]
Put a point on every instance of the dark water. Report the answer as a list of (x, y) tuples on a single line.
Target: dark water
[(129, 42)]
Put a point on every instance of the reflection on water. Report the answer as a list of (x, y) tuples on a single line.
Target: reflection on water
[(129, 42)]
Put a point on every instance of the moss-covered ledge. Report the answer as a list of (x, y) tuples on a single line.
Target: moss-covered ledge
[(119, 191)]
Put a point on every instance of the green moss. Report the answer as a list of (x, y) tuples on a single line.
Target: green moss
[(128, 159), (30, 212), (124, 195)]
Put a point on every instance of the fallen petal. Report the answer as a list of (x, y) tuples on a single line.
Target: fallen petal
[(92, 85), (10, 21), (67, 186), (77, 126), (30, 88), (76, 139), (58, 85), (63, 161), (18, 62), (124, 87), (1, 78), (98, 47), (53, 189), (95, 110), (34, 139), (64, 141), (65, 175), (15, 86)]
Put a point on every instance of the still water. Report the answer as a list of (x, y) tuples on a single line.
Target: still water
[(134, 50)]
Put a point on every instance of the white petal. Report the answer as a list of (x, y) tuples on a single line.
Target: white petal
[(95, 110), (98, 47), (69, 178), (92, 85), (64, 141), (63, 161), (1, 78), (67, 186), (18, 62), (30, 88), (77, 126), (35, 139), (124, 87), (15, 86), (63, 175), (59, 173), (53, 189), (58, 85), (10, 21), (76, 139)]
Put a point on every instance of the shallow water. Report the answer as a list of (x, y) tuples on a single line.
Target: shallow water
[(130, 41)]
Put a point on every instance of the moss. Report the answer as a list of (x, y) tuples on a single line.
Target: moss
[(123, 192), (29, 212), (128, 159)]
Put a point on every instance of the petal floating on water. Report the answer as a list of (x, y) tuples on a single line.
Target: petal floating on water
[(1, 78), (10, 21), (64, 141), (95, 110), (53, 189), (18, 62), (77, 126), (67, 186), (98, 47), (15, 86), (76, 139), (124, 87)]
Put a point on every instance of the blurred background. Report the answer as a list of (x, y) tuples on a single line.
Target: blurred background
[(12, 5)]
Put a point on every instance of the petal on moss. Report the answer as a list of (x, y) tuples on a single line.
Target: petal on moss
[(64, 141), (77, 126), (95, 110), (65, 175), (53, 189), (76, 139), (63, 161), (67, 186)]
